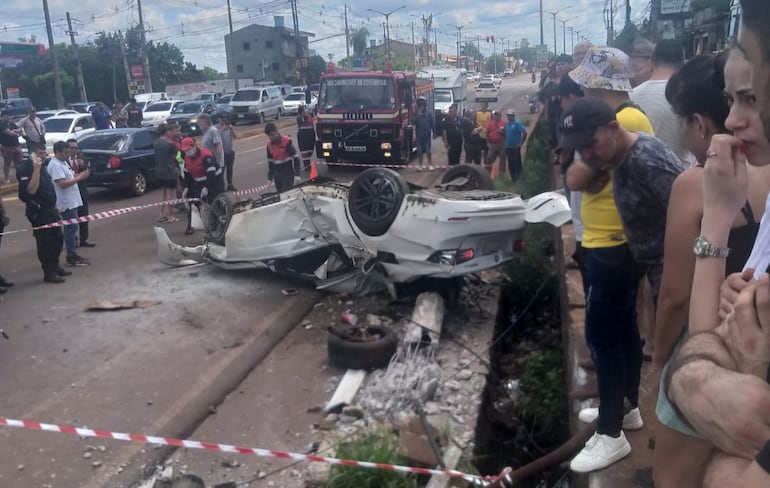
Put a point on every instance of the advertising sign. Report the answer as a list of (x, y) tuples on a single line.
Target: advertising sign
[(12, 93), (137, 71), (674, 7)]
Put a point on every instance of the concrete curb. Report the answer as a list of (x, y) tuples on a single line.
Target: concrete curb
[(9, 188)]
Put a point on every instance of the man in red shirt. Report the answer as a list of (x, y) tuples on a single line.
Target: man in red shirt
[(496, 141)]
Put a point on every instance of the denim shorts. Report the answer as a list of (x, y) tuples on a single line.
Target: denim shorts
[(423, 146)]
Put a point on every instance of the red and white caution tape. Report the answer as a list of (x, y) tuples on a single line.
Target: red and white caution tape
[(208, 446), (126, 210)]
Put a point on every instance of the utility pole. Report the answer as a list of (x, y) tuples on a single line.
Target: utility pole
[(54, 57), (347, 33), (459, 39), (571, 39), (542, 40), (554, 14), (145, 60), (628, 11), (299, 53), (435, 40), (414, 47), (564, 33), (386, 25), (126, 69), (611, 34), (230, 70), (78, 66)]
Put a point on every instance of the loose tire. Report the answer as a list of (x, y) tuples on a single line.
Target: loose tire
[(372, 354), (374, 200), (138, 184), (219, 215), (477, 176)]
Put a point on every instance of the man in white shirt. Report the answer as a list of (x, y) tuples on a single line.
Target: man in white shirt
[(34, 130), (68, 198), (667, 58)]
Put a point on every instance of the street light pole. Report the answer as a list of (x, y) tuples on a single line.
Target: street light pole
[(554, 14), (571, 38), (564, 33), (387, 25), (459, 38)]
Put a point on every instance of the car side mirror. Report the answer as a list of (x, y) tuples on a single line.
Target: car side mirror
[(78, 129)]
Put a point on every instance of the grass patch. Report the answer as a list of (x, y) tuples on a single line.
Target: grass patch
[(377, 448)]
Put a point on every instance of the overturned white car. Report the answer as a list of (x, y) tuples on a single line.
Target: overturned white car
[(376, 230)]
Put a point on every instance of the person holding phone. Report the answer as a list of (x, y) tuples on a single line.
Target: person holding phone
[(78, 165)]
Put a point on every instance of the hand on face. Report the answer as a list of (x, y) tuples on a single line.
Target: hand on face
[(725, 180)]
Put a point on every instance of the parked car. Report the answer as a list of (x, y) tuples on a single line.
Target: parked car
[(67, 126), (486, 90), (158, 112), (257, 104), (496, 79), (186, 115), (208, 97), (293, 101), (350, 236), (224, 100), (121, 158), (44, 114), (18, 108), (508, 72)]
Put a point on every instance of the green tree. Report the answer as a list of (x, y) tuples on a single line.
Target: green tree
[(358, 40), (315, 68), (496, 63)]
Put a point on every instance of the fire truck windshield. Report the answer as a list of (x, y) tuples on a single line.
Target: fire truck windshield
[(350, 92)]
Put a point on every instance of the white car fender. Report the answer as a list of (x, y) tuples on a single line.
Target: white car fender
[(550, 207), (172, 254)]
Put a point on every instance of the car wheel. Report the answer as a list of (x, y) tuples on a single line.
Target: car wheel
[(469, 177), (374, 199), (261, 118), (138, 184), (219, 215), (361, 347), (279, 114)]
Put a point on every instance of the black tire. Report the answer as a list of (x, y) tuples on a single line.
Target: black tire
[(279, 113), (138, 184), (374, 354), (374, 200), (219, 215), (478, 178), (261, 118)]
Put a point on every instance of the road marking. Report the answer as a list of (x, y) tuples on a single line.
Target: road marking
[(252, 150)]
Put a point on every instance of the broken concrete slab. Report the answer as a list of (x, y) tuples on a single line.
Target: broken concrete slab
[(427, 319), (346, 390)]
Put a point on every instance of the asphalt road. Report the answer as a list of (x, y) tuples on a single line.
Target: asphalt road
[(154, 370)]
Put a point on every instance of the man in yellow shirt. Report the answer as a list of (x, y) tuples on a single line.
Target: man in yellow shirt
[(483, 116), (611, 330)]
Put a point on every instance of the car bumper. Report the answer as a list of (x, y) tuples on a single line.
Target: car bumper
[(244, 116), (110, 179)]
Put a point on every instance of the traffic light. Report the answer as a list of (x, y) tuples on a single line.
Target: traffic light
[(493, 38), (487, 38)]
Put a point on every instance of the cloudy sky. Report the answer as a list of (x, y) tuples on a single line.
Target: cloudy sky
[(198, 26)]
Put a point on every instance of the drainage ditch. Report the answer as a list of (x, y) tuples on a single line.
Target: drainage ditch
[(524, 408)]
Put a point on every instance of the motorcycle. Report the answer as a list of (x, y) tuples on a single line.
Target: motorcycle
[(533, 106), (534, 77)]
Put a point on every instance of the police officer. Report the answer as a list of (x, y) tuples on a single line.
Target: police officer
[(203, 175), (282, 158), (36, 190)]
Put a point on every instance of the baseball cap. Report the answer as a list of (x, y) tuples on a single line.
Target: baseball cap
[(581, 121), (604, 68), (187, 143), (510, 112)]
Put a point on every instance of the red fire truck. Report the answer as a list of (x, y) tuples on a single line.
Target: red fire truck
[(366, 116)]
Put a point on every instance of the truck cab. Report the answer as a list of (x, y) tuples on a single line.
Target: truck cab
[(450, 88)]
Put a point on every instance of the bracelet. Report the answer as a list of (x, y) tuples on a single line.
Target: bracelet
[(763, 457)]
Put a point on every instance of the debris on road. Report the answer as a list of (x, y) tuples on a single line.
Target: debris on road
[(106, 305)]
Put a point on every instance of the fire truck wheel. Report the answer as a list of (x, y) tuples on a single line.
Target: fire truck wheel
[(218, 219), (374, 199), (467, 177)]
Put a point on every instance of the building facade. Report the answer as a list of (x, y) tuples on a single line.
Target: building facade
[(267, 53)]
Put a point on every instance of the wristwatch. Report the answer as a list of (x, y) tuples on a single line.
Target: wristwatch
[(704, 249)]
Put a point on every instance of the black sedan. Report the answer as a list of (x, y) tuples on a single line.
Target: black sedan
[(121, 158), (186, 115)]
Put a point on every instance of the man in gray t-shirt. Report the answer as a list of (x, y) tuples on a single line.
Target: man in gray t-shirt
[(667, 57), (212, 139)]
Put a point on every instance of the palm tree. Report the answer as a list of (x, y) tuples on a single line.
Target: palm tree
[(358, 40)]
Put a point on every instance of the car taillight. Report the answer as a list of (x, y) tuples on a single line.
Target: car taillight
[(113, 162), (452, 257), (518, 245), (464, 255)]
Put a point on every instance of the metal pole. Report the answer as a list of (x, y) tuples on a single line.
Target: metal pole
[(145, 60), (414, 48), (542, 40), (571, 39), (564, 35), (54, 57), (347, 33), (125, 64), (555, 48), (78, 66), (230, 45)]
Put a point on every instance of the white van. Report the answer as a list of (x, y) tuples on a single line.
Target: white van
[(257, 104)]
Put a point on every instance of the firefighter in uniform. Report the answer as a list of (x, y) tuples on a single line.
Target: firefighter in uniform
[(305, 135), (36, 190), (203, 176), (282, 158)]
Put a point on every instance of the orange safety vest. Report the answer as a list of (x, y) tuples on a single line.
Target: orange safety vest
[(280, 151), (194, 164)]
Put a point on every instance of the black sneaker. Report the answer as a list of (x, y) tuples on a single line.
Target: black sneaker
[(5, 283), (62, 272), (3, 290), (54, 279), (87, 244), (78, 261)]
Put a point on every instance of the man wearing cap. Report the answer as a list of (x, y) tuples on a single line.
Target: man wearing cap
[(515, 135), (34, 130), (203, 176), (496, 141), (452, 134), (10, 148), (643, 170), (549, 95), (482, 118)]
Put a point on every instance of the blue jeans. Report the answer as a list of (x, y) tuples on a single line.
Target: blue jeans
[(611, 331), (70, 232)]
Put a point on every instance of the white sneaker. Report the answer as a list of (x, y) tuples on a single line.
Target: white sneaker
[(631, 421), (599, 452)]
